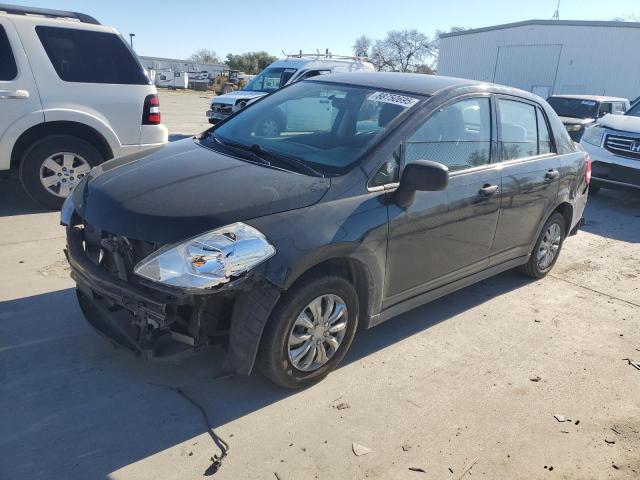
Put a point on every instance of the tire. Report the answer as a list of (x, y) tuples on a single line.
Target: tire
[(56, 149), (593, 189), (274, 355), (535, 268)]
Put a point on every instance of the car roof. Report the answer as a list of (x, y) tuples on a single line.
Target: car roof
[(596, 98), (419, 83)]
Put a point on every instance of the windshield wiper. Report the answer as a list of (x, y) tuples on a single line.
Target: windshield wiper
[(241, 149), (287, 160), (257, 153)]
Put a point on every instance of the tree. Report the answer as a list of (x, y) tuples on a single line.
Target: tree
[(400, 51), (204, 55), (250, 62), (362, 46)]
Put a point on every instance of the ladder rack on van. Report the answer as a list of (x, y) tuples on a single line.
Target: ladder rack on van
[(45, 12), (327, 54)]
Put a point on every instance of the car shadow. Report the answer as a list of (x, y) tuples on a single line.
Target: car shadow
[(14, 200), (614, 214), (74, 405)]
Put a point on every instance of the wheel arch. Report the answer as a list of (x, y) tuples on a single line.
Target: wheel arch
[(47, 129), (566, 210)]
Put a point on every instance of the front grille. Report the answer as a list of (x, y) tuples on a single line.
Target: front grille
[(623, 145), (221, 108)]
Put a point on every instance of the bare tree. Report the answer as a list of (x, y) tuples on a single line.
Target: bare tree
[(204, 55), (362, 46), (409, 47), (382, 57)]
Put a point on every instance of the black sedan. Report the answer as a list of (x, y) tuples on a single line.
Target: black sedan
[(384, 191)]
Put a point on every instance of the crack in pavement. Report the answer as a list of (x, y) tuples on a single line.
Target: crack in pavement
[(628, 302)]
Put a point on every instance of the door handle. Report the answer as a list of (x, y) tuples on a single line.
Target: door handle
[(551, 175), (16, 94), (488, 190)]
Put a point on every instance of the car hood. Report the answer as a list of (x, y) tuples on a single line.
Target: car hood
[(577, 121), (626, 123), (185, 189), (232, 97)]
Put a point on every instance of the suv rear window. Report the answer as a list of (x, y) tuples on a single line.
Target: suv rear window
[(90, 57), (8, 68)]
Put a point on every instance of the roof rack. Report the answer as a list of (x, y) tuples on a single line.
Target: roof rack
[(326, 54), (45, 12)]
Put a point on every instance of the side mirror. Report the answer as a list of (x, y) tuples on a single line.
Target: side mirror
[(421, 175)]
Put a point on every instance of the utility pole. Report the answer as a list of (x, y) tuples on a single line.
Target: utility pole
[(556, 14), (131, 35)]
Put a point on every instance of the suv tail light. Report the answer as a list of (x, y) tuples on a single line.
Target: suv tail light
[(587, 173), (151, 110)]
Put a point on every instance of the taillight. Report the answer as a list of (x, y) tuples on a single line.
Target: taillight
[(587, 173), (151, 110)]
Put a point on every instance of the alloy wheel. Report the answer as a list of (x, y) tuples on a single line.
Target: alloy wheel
[(549, 246), (61, 172)]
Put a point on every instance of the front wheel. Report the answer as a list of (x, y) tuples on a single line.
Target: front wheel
[(547, 248), (309, 332), (53, 166)]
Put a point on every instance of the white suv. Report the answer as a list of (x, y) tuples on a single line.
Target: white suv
[(280, 73), (614, 146), (72, 95)]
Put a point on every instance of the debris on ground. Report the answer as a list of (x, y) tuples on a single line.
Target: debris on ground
[(406, 447), (360, 450), (550, 468), (615, 466), (634, 364), (560, 418), (468, 468), (277, 475), (342, 406), (609, 439), (537, 378), (417, 469)]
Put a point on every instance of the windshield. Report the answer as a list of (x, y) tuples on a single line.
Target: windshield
[(325, 126), (270, 79), (635, 110), (574, 107)]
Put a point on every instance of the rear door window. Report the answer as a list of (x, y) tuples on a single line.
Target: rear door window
[(544, 139), (8, 68), (90, 57), (518, 126), (618, 108)]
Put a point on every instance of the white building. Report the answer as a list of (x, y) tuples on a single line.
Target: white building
[(548, 56), (159, 64)]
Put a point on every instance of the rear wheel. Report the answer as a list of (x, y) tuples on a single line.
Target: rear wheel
[(547, 248), (53, 166), (309, 332)]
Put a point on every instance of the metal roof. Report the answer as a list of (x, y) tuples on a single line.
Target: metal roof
[(555, 23), (595, 98), (419, 83)]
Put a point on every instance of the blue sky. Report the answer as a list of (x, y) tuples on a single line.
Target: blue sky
[(177, 29)]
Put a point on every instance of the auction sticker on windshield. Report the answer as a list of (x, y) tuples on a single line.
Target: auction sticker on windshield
[(393, 98)]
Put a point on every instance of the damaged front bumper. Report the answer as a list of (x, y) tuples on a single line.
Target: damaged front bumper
[(160, 322)]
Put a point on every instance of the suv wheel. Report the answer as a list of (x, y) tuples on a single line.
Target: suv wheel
[(53, 166), (309, 332), (547, 248)]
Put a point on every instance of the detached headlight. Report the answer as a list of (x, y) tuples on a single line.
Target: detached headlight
[(593, 135), (573, 128), (209, 259)]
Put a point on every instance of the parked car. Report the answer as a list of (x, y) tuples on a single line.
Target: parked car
[(291, 69), (579, 111), (282, 245), (614, 146), (72, 95)]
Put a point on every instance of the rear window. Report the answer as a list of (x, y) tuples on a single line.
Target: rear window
[(90, 57), (8, 69)]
